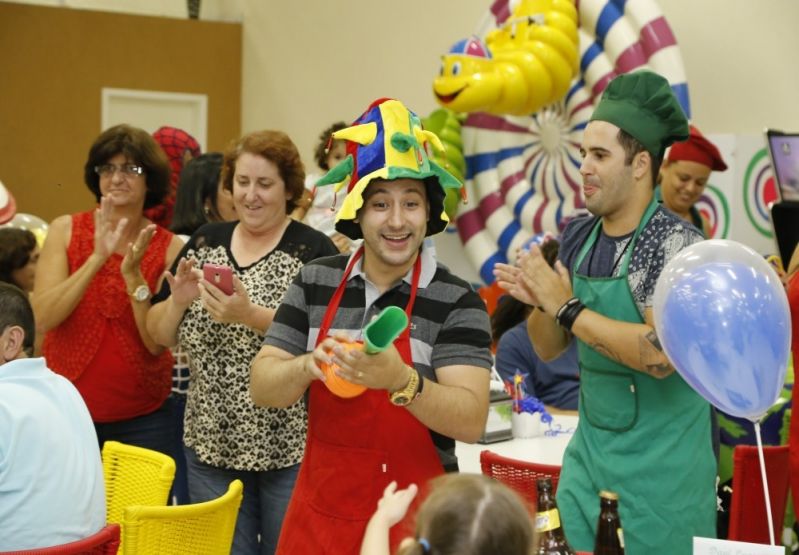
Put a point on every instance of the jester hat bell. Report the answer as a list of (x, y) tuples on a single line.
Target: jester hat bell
[(388, 142)]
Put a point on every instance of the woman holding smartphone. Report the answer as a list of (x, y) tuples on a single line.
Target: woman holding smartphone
[(226, 436), (92, 292)]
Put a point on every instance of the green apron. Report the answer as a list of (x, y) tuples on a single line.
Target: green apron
[(644, 438)]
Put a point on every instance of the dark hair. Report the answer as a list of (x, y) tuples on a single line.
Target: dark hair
[(198, 185), (471, 514), (15, 310), (16, 247), (633, 146), (140, 148), (320, 153), (509, 310), (276, 147)]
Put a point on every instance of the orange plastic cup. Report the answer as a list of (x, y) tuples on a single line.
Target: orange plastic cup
[(337, 385)]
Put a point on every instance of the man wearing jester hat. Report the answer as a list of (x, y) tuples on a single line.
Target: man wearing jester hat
[(643, 432), (426, 390)]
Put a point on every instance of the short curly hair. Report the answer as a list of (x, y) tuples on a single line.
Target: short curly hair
[(276, 147), (140, 148), (320, 154)]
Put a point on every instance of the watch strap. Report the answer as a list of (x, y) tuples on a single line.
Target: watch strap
[(408, 394)]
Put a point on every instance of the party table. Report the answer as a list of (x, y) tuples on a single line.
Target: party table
[(546, 449)]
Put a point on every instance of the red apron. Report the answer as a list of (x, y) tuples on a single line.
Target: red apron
[(355, 447)]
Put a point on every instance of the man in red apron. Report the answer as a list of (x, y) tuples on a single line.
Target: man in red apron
[(426, 390), (643, 432)]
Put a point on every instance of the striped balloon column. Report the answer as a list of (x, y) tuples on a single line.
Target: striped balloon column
[(523, 171)]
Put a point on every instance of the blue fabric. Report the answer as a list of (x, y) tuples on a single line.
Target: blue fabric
[(266, 497), (155, 430), (555, 383), (180, 487), (51, 476)]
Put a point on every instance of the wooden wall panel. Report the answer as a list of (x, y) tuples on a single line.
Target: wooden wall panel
[(54, 63)]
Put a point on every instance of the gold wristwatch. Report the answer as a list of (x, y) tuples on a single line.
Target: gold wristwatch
[(408, 394)]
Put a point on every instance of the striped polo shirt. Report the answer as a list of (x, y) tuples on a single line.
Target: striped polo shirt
[(449, 324)]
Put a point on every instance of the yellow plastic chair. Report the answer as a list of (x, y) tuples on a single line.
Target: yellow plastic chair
[(197, 529), (134, 476)]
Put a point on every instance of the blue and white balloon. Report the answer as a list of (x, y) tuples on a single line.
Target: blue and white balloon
[(722, 317)]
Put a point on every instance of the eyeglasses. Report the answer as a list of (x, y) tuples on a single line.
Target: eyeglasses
[(127, 170)]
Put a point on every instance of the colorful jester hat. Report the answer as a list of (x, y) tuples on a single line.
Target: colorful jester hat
[(388, 142)]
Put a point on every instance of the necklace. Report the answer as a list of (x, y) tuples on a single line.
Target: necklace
[(615, 262)]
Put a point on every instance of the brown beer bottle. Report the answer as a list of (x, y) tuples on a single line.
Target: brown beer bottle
[(609, 535), (551, 540)]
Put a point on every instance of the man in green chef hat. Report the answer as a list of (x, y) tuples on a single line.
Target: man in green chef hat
[(643, 432)]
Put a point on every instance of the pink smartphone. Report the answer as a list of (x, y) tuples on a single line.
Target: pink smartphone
[(221, 276)]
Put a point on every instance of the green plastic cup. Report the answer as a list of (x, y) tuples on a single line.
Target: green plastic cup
[(383, 330)]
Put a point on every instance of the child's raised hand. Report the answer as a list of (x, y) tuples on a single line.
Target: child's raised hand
[(395, 503)]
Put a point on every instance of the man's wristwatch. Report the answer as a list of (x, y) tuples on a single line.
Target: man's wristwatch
[(141, 293), (408, 394)]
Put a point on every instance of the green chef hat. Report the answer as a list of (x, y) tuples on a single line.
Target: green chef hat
[(643, 104)]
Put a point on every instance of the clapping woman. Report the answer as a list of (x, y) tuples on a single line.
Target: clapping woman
[(92, 292)]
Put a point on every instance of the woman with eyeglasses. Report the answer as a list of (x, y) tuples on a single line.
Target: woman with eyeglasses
[(92, 291)]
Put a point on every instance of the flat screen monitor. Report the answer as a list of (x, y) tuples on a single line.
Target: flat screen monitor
[(783, 149)]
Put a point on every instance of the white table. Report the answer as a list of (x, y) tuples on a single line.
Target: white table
[(543, 449)]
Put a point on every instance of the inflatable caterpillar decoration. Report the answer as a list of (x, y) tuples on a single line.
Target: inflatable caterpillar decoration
[(523, 65)]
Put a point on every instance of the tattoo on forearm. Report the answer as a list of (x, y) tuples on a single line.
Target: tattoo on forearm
[(605, 351), (653, 359)]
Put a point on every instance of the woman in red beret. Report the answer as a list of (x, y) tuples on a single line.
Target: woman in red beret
[(684, 175)]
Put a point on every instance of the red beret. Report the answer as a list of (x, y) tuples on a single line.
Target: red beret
[(697, 149)]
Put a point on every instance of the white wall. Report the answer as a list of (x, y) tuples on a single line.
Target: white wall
[(310, 62), (307, 63)]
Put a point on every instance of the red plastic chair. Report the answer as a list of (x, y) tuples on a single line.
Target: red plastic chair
[(104, 542), (519, 475), (490, 295), (748, 521)]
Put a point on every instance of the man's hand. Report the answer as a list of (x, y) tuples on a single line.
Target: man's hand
[(511, 280), (384, 370), (551, 286)]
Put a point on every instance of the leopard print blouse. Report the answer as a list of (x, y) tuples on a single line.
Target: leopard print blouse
[(222, 425)]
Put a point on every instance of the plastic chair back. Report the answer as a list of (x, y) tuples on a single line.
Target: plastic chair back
[(748, 521), (519, 475), (205, 528), (134, 476), (104, 542), (490, 295)]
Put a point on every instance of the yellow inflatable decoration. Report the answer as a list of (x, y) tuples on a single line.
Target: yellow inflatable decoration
[(525, 64)]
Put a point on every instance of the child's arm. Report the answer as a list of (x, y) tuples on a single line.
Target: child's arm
[(390, 510)]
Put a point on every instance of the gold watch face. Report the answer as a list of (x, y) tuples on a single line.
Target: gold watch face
[(401, 400)]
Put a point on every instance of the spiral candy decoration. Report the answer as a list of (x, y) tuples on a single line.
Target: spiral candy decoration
[(523, 171)]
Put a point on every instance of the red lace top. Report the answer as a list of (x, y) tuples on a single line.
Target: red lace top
[(98, 346)]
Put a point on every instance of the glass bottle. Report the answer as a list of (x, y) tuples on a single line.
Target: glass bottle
[(609, 535), (551, 540)]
